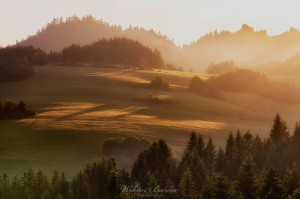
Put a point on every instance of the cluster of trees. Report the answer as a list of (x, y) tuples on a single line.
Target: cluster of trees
[(116, 51), (159, 83), (222, 67), (13, 110), (246, 168), (16, 62), (243, 80), (204, 89)]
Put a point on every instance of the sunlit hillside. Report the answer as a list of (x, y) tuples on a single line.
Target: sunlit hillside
[(247, 47), (79, 107)]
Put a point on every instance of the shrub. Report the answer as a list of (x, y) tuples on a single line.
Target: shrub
[(159, 83)]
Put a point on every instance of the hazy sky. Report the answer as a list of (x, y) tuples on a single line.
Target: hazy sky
[(181, 20)]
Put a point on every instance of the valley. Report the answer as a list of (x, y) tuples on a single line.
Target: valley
[(80, 107)]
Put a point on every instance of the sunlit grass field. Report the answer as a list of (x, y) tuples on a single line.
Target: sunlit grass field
[(79, 107)]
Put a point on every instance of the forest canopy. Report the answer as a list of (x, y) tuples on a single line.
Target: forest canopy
[(244, 80), (115, 51), (16, 61)]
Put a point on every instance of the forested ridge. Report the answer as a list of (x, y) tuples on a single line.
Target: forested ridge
[(16, 61), (246, 46), (247, 167)]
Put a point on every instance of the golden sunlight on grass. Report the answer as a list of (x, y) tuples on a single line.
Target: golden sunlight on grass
[(124, 75), (89, 116)]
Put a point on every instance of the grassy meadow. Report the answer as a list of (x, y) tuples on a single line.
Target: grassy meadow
[(80, 107)]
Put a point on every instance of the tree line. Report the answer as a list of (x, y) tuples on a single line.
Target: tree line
[(16, 61), (13, 110), (248, 167), (244, 80)]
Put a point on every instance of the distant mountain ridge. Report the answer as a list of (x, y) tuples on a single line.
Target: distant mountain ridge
[(289, 66), (246, 47), (61, 33)]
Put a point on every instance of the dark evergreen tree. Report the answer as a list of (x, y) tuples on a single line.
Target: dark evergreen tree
[(279, 132), (113, 187), (192, 143), (158, 161), (1, 110), (248, 144), (200, 146), (291, 179), (246, 183), (80, 187), (210, 156), (187, 186), (64, 187), (229, 155), (258, 152), (54, 191), (271, 187), (238, 152), (222, 187), (220, 161)]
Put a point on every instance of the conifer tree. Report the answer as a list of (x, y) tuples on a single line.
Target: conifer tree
[(40, 185), (271, 187), (54, 186), (191, 146), (279, 132), (292, 179), (258, 152), (220, 161), (1, 110), (238, 151), (245, 181), (210, 156), (187, 186), (229, 155), (230, 144), (200, 146), (222, 187), (113, 187), (64, 187)]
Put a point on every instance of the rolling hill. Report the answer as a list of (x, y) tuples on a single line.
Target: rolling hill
[(61, 33), (80, 107), (290, 66), (246, 47)]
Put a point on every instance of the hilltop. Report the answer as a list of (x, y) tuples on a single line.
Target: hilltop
[(246, 47)]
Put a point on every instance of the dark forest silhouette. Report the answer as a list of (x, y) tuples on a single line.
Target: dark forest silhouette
[(16, 61), (13, 110), (247, 167)]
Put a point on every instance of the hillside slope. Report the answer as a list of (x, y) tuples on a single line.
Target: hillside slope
[(246, 47), (60, 33), (80, 107)]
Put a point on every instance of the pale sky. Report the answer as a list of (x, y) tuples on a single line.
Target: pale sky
[(181, 20)]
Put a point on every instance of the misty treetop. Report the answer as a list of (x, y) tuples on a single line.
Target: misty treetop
[(244, 81)]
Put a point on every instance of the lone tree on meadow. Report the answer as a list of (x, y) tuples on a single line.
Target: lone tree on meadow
[(159, 83)]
